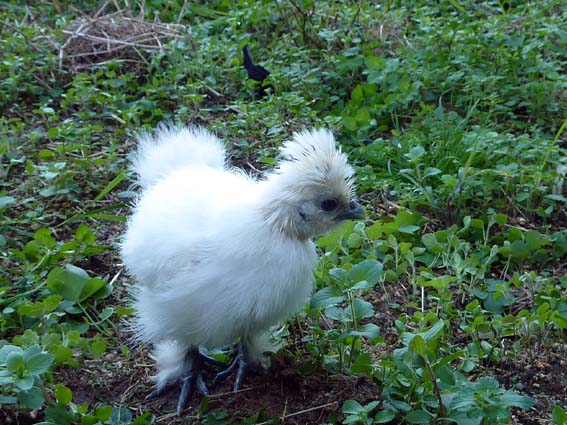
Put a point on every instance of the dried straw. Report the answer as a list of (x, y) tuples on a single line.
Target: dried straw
[(94, 40)]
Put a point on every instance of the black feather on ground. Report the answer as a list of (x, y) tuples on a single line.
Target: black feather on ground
[(256, 72)]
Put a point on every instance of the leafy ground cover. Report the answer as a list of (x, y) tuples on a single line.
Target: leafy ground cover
[(448, 305)]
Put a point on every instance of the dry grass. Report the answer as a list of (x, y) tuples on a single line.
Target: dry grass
[(105, 36)]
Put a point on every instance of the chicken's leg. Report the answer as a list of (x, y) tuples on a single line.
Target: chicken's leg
[(192, 378), (242, 361)]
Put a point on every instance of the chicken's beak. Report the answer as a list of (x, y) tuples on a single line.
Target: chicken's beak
[(353, 212)]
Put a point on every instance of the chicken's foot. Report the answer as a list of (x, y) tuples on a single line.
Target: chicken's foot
[(241, 360), (194, 363)]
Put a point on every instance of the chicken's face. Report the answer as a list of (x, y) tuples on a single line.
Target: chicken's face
[(313, 188), (320, 209)]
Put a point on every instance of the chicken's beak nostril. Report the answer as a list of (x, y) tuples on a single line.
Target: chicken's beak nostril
[(353, 212)]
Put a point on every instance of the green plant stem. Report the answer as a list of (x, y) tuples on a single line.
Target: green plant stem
[(31, 291), (431, 373), (22, 295), (553, 143), (95, 324)]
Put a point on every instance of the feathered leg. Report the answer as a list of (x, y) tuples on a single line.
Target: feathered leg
[(194, 364)]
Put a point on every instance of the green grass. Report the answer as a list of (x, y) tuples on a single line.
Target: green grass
[(454, 115)]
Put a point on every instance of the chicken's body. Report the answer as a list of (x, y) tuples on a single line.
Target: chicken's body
[(219, 256)]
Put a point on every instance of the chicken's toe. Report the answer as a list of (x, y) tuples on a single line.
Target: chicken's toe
[(241, 360)]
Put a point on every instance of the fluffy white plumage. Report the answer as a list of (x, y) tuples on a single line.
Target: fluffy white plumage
[(220, 256)]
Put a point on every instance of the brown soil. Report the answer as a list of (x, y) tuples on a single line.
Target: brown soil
[(281, 391)]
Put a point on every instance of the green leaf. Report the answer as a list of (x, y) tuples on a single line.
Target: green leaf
[(419, 417), (361, 286), (368, 330), (15, 361), (434, 331), (59, 414), (417, 345), (510, 399), (406, 218), (85, 235), (431, 171), (50, 303), (33, 398), (106, 313), (363, 364), (431, 243), (5, 379), (7, 349), (519, 250), (371, 406), (25, 382), (5, 201), (384, 416), (338, 274), (89, 420), (352, 407), (73, 283), (333, 239), (103, 413), (46, 154), (39, 363), (330, 295), (368, 270), (91, 287), (352, 419), (409, 229), (63, 394), (121, 415), (67, 282), (30, 352), (533, 240), (449, 358), (362, 309), (354, 240), (61, 353), (558, 415), (7, 400), (439, 282), (415, 153), (500, 219), (144, 419), (335, 313), (44, 237), (97, 348)]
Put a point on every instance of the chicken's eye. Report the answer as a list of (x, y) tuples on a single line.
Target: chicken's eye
[(329, 204)]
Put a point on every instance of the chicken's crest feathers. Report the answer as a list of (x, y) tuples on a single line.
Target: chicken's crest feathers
[(169, 148), (313, 158)]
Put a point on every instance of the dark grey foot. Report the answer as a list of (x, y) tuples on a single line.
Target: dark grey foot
[(241, 364), (192, 379)]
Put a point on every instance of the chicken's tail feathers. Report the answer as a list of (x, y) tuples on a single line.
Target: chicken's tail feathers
[(168, 356), (170, 148)]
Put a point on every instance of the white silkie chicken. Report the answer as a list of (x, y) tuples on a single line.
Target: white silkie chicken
[(220, 256)]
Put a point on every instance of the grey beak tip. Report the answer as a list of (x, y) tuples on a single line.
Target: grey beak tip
[(355, 212)]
